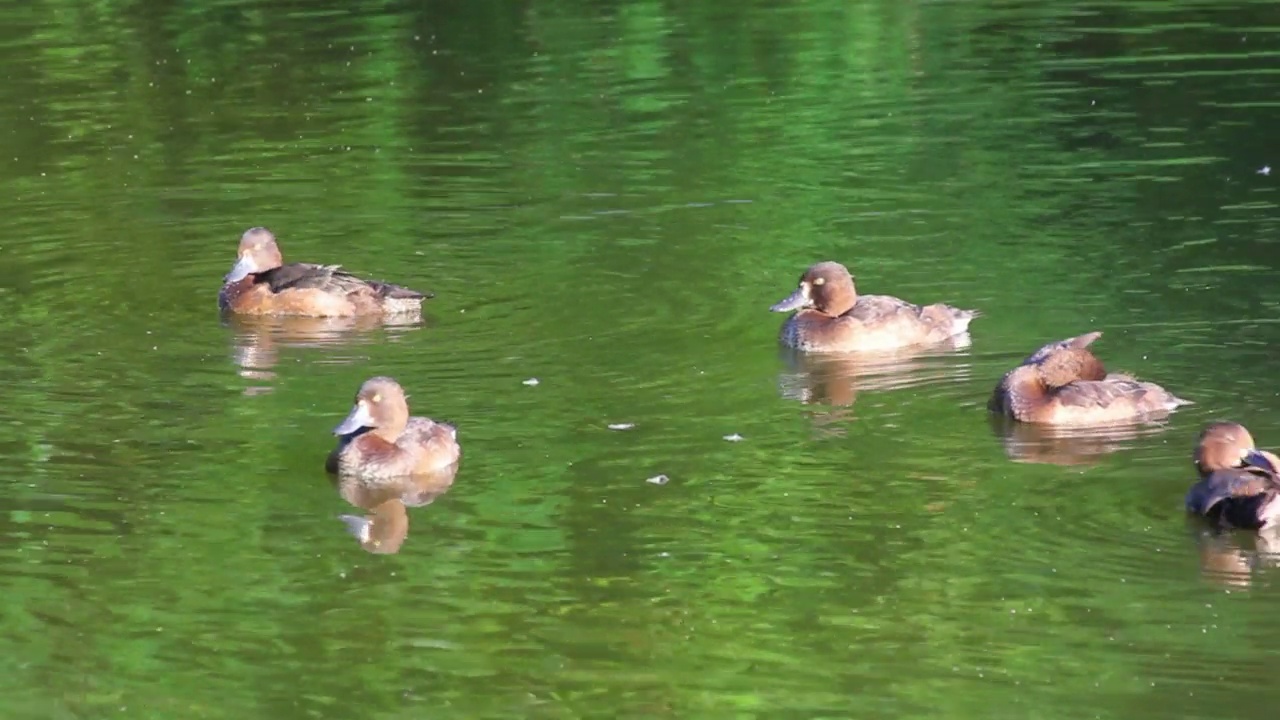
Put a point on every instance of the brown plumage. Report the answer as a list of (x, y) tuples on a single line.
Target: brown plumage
[(833, 317), (379, 440), (1238, 484), (1064, 383), (261, 284)]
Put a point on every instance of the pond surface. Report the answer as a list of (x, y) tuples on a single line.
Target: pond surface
[(607, 197)]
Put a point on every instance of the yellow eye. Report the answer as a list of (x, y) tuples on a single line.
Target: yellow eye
[(377, 398), (819, 281)]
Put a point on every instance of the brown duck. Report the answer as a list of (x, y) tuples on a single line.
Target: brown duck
[(832, 317), (1063, 383), (261, 283), (1238, 484)]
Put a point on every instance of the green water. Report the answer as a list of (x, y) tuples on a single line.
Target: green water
[(607, 197)]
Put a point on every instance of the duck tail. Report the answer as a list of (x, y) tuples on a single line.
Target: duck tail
[(391, 291), (960, 320)]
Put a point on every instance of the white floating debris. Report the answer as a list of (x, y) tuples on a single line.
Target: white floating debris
[(1265, 170), (734, 438), (531, 382), (658, 480), (621, 426)]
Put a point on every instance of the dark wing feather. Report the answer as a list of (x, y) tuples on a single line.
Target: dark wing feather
[(1235, 495), (329, 278)]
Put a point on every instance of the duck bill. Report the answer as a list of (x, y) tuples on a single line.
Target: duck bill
[(361, 528), (243, 268), (358, 418), (1257, 459), (794, 301)]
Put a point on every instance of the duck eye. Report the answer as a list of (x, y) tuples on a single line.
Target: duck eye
[(377, 398), (819, 281)]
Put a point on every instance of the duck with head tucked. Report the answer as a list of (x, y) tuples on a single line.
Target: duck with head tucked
[(261, 284), (1238, 483), (1063, 383), (832, 317), (378, 440)]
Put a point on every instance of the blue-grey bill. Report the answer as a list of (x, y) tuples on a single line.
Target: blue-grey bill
[(356, 419), (241, 270), (794, 301), (359, 527)]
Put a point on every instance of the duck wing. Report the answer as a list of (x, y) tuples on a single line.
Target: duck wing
[(1237, 496), (330, 278), (1142, 396), (878, 309), (436, 440)]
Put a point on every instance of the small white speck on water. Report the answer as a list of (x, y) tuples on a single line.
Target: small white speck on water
[(1264, 170), (658, 480), (735, 437), (531, 382), (621, 426)]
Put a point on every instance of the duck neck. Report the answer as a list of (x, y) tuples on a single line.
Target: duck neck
[(1026, 390), (391, 431), (840, 303)]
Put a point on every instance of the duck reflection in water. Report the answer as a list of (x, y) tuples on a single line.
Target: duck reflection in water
[(1058, 445), (835, 379), (386, 525), (1233, 559), (258, 339)]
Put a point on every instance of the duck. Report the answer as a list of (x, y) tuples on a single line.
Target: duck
[(830, 316), (379, 440), (1063, 383), (260, 283), (1238, 483)]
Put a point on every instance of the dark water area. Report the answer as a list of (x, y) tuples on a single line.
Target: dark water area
[(607, 197)]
